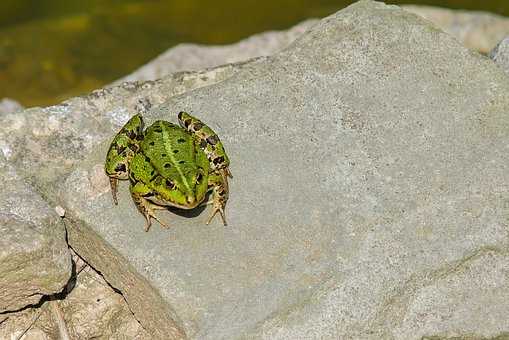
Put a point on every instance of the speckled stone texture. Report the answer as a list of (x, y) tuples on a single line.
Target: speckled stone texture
[(369, 200), (34, 257)]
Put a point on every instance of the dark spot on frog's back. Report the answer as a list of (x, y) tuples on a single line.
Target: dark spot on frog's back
[(120, 168), (131, 134), (218, 160), (212, 140), (167, 165), (203, 144), (197, 126), (151, 143), (181, 140), (147, 159)]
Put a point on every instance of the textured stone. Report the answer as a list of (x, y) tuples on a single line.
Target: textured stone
[(370, 172), (34, 257), (366, 167), (91, 310), (500, 54)]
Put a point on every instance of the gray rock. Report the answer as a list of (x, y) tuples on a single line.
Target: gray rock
[(477, 30), (500, 54), (370, 173), (34, 256), (370, 166), (189, 57)]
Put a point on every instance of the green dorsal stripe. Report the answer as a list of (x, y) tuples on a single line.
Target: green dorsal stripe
[(167, 144)]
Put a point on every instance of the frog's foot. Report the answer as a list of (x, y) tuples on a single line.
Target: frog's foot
[(147, 209), (216, 209)]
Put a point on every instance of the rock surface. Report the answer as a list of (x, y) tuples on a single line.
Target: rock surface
[(34, 257), (368, 173), (500, 54), (370, 196)]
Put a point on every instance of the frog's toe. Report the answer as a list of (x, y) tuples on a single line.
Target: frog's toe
[(164, 225), (228, 173), (149, 216), (113, 185)]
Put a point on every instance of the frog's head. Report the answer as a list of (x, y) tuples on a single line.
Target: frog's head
[(185, 191)]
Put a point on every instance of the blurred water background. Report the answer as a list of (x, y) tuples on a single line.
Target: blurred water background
[(53, 49)]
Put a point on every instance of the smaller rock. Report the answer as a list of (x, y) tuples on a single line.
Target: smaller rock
[(500, 54), (34, 256), (91, 310), (60, 211)]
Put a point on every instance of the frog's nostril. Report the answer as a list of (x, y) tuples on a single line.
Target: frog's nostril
[(190, 199)]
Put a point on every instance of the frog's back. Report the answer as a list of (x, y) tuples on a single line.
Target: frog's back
[(170, 149)]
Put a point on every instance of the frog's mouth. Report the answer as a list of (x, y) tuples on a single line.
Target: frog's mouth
[(191, 203)]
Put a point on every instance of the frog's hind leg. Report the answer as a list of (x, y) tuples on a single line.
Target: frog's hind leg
[(218, 182), (208, 141), (138, 191), (121, 150)]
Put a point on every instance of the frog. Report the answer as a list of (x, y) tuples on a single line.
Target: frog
[(169, 165)]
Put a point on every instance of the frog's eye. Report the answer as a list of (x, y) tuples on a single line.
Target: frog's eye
[(169, 184), (199, 177)]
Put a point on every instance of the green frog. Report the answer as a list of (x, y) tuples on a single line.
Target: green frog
[(169, 165)]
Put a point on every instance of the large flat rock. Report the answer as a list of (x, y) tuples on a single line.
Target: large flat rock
[(371, 175)]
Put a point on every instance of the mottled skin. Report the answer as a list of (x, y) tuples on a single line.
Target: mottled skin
[(168, 165)]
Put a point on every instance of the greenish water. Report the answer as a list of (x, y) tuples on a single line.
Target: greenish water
[(54, 49)]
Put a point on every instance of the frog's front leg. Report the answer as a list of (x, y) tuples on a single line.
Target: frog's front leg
[(138, 192), (219, 185), (122, 149)]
